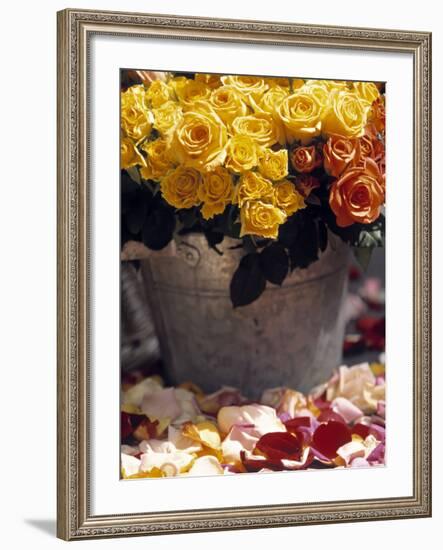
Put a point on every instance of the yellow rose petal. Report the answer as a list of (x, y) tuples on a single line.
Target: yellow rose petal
[(204, 432)]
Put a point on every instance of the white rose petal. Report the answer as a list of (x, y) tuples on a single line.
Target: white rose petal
[(135, 395), (171, 463), (264, 418), (130, 464), (206, 466)]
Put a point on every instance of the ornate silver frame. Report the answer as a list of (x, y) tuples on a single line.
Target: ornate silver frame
[(74, 520)]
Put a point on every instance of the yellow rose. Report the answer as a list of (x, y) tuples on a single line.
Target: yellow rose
[(167, 117), (136, 118), (228, 103), (367, 91), (215, 191), (288, 198), (320, 90), (249, 86), (347, 115), (329, 84), (212, 80), (278, 82), (188, 91), (158, 162), (242, 153), (261, 127), (262, 219), (274, 164), (270, 101), (297, 83), (129, 154), (180, 187), (199, 140), (301, 114), (158, 93), (253, 186)]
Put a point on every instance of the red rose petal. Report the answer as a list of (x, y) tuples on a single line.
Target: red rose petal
[(297, 422), (361, 429), (131, 423), (321, 402), (254, 464), (367, 323), (330, 437), (126, 425), (145, 430), (302, 427), (373, 330), (304, 435), (277, 445)]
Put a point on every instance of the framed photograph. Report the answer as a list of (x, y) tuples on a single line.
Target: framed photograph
[(243, 274)]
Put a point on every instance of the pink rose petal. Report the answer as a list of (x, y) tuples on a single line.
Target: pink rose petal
[(161, 404), (359, 462), (346, 409)]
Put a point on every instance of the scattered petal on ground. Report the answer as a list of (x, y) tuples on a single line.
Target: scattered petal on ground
[(169, 431)]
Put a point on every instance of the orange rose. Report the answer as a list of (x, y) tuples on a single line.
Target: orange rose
[(305, 159), (357, 196), (378, 115), (338, 153), (371, 147)]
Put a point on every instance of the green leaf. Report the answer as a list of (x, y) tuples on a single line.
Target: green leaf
[(304, 249), (249, 244), (214, 238), (322, 235), (134, 174), (233, 226), (158, 228), (248, 281), (135, 216), (188, 217), (363, 256), (274, 263), (127, 184), (358, 234)]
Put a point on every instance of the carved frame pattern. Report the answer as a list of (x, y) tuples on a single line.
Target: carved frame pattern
[(75, 28)]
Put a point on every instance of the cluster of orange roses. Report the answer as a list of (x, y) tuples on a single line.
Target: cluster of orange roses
[(358, 164)]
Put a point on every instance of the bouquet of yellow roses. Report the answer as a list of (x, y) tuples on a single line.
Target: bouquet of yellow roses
[(275, 162)]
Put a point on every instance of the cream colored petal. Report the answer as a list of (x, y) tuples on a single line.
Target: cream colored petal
[(181, 442), (189, 410), (284, 400), (161, 404), (170, 463), (264, 418), (134, 396), (238, 439), (357, 448), (205, 466), (129, 464)]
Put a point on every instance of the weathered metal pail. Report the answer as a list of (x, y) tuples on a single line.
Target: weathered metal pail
[(291, 336)]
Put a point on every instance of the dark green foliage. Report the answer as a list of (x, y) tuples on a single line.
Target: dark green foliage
[(274, 263), (248, 281), (145, 217)]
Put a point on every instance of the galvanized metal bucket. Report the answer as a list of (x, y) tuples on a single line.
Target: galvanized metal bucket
[(291, 336)]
